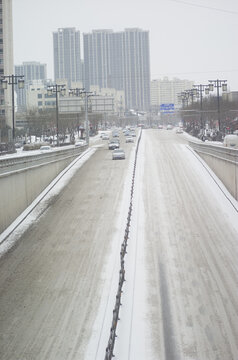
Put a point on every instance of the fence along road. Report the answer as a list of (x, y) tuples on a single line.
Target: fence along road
[(51, 282)]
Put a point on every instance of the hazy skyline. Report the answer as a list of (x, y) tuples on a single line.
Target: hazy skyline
[(193, 39)]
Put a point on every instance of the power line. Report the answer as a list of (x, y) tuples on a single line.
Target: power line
[(206, 7)]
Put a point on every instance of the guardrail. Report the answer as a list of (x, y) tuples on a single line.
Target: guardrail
[(22, 179), (115, 317), (220, 152), (24, 161), (223, 161)]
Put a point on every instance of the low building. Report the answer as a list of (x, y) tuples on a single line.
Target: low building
[(106, 101), (37, 97), (230, 96), (165, 91)]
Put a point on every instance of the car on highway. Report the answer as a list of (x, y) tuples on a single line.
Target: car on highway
[(113, 145), (18, 145), (129, 139), (115, 134), (160, 126), (231, 141), (45, 148), (118, 154), (105, 137), (80, 143), (169, 127), (179, 131)]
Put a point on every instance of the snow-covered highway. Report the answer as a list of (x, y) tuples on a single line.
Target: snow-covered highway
[(59, 279)]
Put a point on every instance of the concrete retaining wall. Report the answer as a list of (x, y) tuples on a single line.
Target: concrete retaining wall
[(18, 188), (224, 163)]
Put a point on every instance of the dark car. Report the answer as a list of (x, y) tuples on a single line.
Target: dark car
[(113, 145)]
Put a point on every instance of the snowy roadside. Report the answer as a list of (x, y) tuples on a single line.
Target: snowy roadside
[(21, 153)]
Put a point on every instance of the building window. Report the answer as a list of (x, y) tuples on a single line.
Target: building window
[(39, 103), (50, 103), (39, 96)]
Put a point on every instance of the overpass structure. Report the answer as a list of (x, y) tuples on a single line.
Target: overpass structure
[(59, 282)]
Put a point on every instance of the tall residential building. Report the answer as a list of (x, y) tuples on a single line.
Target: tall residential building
[(165, 91), (119, 60), (32, 71), (67, 59), (6, 59)]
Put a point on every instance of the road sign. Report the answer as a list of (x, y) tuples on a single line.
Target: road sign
[(167, 108)]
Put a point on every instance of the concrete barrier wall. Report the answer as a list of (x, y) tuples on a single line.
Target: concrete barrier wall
[(18, 188), (224, 163)]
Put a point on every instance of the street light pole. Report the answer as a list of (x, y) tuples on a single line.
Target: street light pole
[(87, 94), (86, 118), (218, 84), (12, 80), (199, 89), (56, 88), (76, 92)]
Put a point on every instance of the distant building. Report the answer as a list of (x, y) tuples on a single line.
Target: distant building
[(67, 59), (165, 91), (121, 61), (37, 97), (32, 71), (6, 59), (117, 95), (106, 101), (230, 96)]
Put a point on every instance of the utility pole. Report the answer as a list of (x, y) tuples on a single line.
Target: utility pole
[(198, 90), (218, 84)]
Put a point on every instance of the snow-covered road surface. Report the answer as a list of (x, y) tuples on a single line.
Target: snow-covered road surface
[(185, 304), (58, 283)]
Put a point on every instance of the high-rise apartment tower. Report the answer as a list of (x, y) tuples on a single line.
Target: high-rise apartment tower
[(119, 60), (6, 59), (67, 60)]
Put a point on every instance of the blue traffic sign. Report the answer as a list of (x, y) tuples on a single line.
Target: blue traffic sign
[(167, 108)]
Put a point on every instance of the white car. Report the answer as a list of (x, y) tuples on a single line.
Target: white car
[(80, 143), (45, 148), (179, 131), (129, 139), (118, 154), (231, 141)]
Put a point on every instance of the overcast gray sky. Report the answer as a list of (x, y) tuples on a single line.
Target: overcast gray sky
[(190, 39)]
